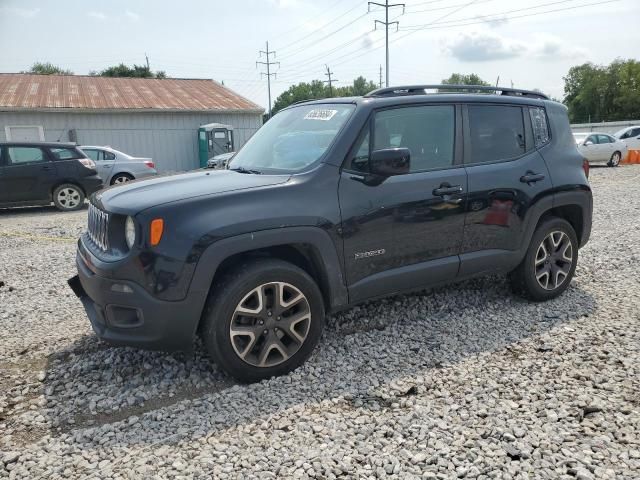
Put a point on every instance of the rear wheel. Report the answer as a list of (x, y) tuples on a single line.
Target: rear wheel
[(68, 197), (615, 159), (550, 262), (120, 178), (263, 319)]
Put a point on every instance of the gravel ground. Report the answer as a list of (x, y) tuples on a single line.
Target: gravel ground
[(461, 382)]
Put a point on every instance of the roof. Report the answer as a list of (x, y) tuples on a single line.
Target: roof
[(94, 93)]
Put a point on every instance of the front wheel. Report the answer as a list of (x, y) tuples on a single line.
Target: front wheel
[(68, 197), (615, 159), (550, 262), (263, 319)]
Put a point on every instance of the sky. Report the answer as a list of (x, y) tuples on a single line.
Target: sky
[(527, 43)]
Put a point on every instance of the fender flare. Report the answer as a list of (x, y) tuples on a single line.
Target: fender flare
[(315, 237)]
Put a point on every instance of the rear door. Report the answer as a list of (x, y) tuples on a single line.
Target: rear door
[(29, 174), (606, 145), (104, 161), (3, 178), (506, 174), (591, 149)]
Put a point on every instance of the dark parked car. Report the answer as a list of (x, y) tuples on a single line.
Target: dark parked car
[(334, 202), (38, 173)]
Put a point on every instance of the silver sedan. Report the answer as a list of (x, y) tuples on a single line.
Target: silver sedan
[(117, 167), (599, 147)]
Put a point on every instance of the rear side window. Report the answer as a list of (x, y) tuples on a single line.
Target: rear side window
[(66, 153), (23, 155), (540, 126), (496, 133), (107, 155)]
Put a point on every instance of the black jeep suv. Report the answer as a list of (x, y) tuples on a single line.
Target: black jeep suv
[(334, 202)]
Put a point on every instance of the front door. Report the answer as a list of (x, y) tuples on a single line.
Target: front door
[(592, 150), (506, 175), (404, 231), (29, 174)]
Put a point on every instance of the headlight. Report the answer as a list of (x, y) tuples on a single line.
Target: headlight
[(130, 232)]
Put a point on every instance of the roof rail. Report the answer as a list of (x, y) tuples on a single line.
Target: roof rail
[(421, 90)]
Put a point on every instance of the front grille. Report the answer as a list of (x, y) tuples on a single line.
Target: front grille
[(98, 227)]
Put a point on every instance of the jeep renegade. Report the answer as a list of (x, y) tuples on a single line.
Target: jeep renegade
[(331, 203)]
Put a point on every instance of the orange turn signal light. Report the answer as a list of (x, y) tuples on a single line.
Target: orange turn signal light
[(155, 231)]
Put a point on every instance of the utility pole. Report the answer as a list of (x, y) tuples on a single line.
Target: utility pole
[(386, 5), (328, 74), (380, 83), (147, 59), (268, 63), (497, 81)]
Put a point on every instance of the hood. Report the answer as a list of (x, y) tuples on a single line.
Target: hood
[(134, 197)]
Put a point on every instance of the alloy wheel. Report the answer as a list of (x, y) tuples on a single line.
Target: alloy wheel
[(270, 324), (615, 159), (554, 259), (121, 179), (69, 197)]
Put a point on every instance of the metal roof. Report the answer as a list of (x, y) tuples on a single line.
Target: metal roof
[(93, 93)]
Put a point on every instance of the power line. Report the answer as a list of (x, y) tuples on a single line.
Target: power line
[(268, 63), (386, 24)]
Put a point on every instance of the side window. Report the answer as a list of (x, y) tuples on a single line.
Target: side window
[(359, 161), (65, 153), (92, 154), (496, 131), (635, 132), (107, 155), (427, 131), (23, 155), (540, 126), (592, 138)]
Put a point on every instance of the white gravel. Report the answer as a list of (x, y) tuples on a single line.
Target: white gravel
[(462, 382)]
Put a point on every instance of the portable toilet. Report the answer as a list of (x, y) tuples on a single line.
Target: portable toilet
[(214, 139)]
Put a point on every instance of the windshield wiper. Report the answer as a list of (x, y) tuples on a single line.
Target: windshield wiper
[(246, 170)]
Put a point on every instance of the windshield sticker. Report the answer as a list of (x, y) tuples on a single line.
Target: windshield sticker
[(320, 114)]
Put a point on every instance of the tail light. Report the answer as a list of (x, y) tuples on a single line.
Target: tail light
[(87, 162), (149, 164), (585, 167)]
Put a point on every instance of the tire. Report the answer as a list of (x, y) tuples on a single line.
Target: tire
[(615, 159), (244, 298), (528, 278), (68, 197), (120, 178)]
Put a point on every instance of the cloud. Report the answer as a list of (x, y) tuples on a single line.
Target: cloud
[(483, 47), (367, 41), (97, 15), (493, 22), (285, 3), (20, 12), (133, 16)]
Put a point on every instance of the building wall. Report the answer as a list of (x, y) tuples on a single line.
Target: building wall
[(604, 127), (171, 139)]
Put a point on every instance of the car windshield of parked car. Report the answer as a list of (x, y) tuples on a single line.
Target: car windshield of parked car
[(293, 139), (621, 132), (580, 137)]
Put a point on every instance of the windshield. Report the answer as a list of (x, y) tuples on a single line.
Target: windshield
[(619, 133), (293, 139), (580, 137)]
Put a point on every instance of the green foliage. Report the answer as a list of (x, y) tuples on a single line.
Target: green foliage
[(599, 93), (137, 71), (464, 79), (317, 89), (46, 68)]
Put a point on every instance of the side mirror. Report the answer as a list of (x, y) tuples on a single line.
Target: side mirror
[(587, 143), (390, 161)]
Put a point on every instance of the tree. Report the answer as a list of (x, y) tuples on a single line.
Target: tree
[(595, 93), (137, 71), (317, 89), (46, 68), (464, 79)]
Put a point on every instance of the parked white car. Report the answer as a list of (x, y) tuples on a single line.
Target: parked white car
[(117, 167), (630, 136), (599, 147)]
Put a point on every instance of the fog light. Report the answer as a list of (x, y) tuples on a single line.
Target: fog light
[(121, 288)]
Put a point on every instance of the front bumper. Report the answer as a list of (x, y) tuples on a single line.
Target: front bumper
[(123, 313)]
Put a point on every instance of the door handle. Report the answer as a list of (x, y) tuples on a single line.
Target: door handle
[(45, 167), (446, 189), (531, 177)]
